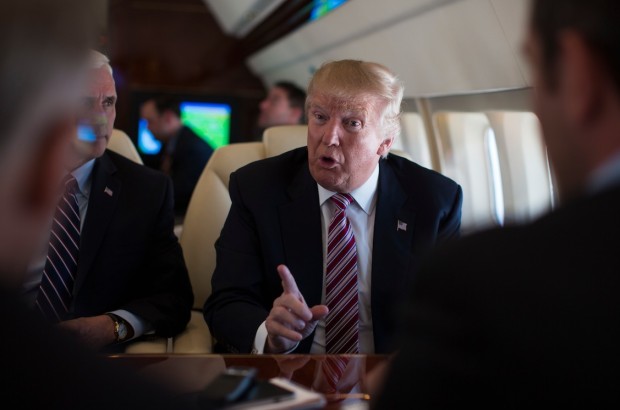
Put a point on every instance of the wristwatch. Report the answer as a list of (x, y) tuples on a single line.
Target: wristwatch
[(120, 328)]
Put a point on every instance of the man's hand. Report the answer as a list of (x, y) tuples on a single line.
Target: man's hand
[(95, 332), (289, 364), (290, 319)]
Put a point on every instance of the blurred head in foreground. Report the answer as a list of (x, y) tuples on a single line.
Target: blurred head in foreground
[(44, 47), (572, 47)]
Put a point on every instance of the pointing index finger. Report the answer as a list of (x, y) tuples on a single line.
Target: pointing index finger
[(288, 282)]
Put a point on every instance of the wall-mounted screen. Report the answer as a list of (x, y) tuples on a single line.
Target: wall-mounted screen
[(323, 7), (214, 117)]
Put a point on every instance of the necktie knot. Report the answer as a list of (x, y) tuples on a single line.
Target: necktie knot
[(342, 201), (71, 185)]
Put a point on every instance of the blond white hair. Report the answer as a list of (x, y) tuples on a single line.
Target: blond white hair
[(351, 80), (98, 60)]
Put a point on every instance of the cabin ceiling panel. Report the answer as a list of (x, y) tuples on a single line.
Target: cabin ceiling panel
[(513, 17), (436, 47), (344, 25), (238, 17)]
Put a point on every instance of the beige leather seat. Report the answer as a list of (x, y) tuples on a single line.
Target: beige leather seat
[(203, 222), (206, 215), (122, 144), (284, 138)]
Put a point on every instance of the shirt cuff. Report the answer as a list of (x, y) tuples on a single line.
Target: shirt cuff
[(139, 325), (261, 339)]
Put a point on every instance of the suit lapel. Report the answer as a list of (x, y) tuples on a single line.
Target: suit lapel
[(300, 220), (104, 193), (393, 235)]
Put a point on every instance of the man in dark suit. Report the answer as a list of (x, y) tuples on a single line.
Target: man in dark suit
[(184, 154), (130, 277), (528, 316), (283, 212)]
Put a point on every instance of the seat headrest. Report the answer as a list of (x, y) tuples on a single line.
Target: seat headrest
[(282, 138)]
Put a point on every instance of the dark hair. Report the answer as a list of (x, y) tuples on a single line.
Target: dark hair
[(165, 103), (595, 20), (296, 95)]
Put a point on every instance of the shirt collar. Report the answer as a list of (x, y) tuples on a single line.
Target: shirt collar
[(606, 175), (82, 176), (364, 195)]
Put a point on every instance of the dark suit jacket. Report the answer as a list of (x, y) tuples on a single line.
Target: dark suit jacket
[(275, 218), (129, 257), (518, 318), (43, 368), (191, 155)]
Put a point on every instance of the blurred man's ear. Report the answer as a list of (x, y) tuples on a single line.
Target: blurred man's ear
[(584, 78)]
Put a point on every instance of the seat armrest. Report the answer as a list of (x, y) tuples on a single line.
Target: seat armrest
[(196, 338)]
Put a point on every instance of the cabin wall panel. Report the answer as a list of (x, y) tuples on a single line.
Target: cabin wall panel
[(513, 17)]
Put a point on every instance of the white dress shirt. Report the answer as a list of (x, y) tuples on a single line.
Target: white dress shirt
[(361, 214), (83, 178)]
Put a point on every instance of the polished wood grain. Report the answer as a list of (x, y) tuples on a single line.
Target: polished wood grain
[(186, 374)]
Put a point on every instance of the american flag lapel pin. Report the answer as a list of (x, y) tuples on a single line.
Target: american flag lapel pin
[(108, 191), (401, 226)]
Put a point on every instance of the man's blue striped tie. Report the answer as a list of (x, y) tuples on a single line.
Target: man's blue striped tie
[(56, 287)]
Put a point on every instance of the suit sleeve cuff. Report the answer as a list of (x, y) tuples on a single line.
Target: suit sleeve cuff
[(139, 325), (261, 339)]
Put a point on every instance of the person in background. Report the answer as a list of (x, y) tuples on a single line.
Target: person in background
[(44, 47), (320, 241), (284, 105), (527, 316), (113, 269), (183, 155)]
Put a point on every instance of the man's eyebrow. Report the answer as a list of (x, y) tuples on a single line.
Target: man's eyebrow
[(355, 113)]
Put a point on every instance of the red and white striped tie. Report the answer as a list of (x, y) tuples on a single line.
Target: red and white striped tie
[(341, 294), (332, 369)]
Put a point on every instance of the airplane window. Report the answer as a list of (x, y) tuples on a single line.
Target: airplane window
[(464, 156), (528, 184), (495, 176)]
